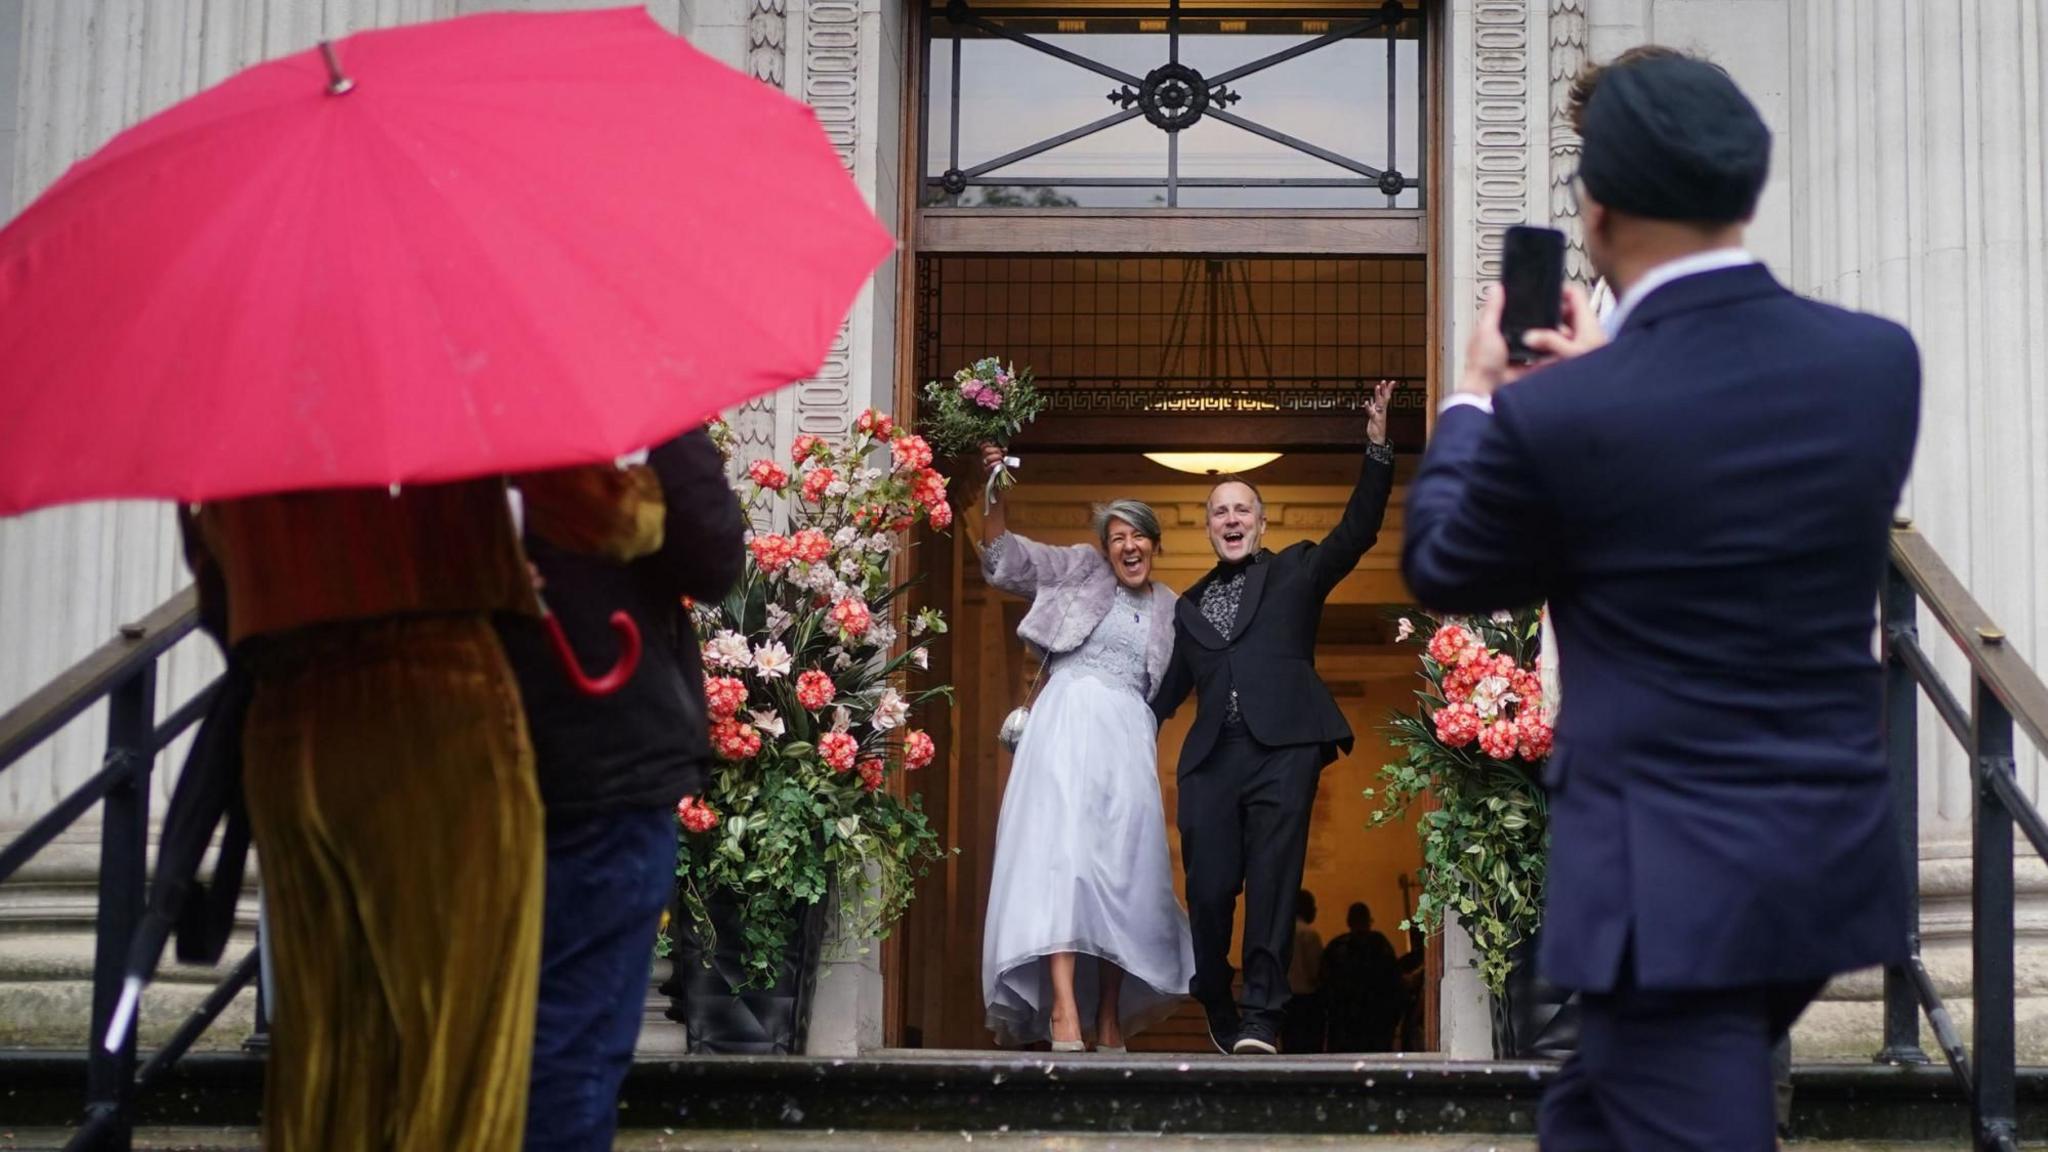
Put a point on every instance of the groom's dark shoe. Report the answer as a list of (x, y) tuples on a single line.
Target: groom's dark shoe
[(1223, 1026), (1255, 1039)]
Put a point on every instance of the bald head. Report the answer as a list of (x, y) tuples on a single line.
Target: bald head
[(1237, 520)]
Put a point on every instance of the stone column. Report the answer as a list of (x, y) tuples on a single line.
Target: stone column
[(76, 72), (1497, 173), (1918, 194)]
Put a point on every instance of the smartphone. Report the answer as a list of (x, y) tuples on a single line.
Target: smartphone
[(1532, 276)]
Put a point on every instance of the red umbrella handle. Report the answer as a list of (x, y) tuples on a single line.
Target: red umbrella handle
[(629, 656)]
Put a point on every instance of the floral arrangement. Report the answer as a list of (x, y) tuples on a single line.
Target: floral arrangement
[(986, 402), (805, 682), (1476, 744)]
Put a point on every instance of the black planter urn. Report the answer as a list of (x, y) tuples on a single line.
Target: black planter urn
[(1532, 1019), (704, 994)]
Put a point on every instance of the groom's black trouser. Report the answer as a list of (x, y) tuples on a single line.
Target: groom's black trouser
[(1244, 813)]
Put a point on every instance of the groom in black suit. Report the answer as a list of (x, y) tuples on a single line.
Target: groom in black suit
[(1245, 643), (1705, 501)]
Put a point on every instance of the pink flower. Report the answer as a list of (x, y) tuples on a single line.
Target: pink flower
[(871, 772), (929, 489), (1449, 645), (942, 516), (696, 815), (973, 390), (815, 690), (1532, 735), (989, 399), (875, 424), (838, 750), (733, 740), (1457, 724), (804, 446), (852, 618), (772, 552), (811, 545), (1498, 739), (815, 483), (1459, 682), (724, 696), (911, 453), (768, 474), (918, 749)]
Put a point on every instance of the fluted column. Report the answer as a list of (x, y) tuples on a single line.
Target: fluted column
[(1918, 161)]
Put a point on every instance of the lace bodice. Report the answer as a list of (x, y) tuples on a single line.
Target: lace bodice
[(1115, 651)]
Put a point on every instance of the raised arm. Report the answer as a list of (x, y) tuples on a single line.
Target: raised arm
[(1022, 566), (1359, 528)]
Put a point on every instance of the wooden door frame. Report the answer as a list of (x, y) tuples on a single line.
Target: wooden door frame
[(1157, 231)]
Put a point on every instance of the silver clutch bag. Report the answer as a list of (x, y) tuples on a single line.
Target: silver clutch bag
[(1011, 733)]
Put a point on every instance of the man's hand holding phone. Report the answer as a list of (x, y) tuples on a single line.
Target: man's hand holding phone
[(1487, 369)]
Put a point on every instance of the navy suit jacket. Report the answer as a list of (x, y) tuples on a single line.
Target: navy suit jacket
[(1706, 505)]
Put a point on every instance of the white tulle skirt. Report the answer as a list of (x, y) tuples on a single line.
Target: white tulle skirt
[(1082, 865)]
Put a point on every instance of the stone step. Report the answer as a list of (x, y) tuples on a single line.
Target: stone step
[(901, 1096), (245, 1140)]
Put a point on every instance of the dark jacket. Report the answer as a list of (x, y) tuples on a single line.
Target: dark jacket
[(1706, 503), (646, 745), (1270, 654)]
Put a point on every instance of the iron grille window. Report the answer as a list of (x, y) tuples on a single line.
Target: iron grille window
[(1268, 336), (1174, 106)]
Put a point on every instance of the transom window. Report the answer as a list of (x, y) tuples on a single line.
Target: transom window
[(1171, 105)]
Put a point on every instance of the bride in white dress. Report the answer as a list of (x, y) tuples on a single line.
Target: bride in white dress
[(1082, 920)]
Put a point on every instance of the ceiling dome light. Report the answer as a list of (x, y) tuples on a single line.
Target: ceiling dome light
[(1213, 463)]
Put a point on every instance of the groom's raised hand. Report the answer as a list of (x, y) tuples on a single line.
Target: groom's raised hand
[(1376, 411)]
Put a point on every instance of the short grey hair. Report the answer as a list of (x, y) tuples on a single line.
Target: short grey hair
[(1136, 513)]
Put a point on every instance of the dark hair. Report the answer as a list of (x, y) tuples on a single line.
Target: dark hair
[(1305, 906), (1359, 916), (1588, 79)]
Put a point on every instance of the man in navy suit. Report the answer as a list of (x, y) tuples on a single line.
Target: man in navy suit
[(1704, 499)]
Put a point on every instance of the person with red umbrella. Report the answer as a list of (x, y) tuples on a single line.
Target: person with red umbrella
[(392, 793), (417, 261)]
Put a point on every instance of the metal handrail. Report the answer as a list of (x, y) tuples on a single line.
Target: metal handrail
[(2004, 693), (123, 672)]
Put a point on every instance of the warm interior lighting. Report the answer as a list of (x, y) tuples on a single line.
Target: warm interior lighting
[(1315, 27), (1213, 463), (1073, 25), (1232, 25), (1151, 25)]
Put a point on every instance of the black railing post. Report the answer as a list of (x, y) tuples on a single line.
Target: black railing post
[(1902, 752), (124, 847), (1995, 1108)]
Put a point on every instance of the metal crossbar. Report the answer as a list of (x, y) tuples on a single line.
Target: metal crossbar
[(124, 674), (2004, 693)]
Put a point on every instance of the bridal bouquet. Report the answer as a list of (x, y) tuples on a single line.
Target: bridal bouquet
[(1476, 743), (805, 681), (984, 403)]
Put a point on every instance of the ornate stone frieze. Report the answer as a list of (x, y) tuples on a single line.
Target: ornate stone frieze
[(1500, 128), (1567, 57)]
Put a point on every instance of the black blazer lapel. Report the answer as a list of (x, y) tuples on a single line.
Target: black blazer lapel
[(1254, 588), (1197, 625)]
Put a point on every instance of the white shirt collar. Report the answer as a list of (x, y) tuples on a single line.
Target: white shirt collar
[(1665, 273)]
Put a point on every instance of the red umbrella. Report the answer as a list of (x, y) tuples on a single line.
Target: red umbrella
[(480, 246)]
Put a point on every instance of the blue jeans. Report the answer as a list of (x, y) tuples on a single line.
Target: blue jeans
[(608, 879)]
